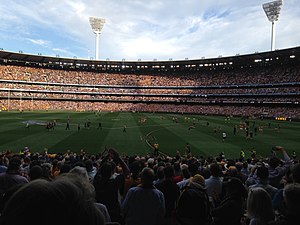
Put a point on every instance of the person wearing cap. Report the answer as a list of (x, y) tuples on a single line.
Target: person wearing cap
[(230, 210)]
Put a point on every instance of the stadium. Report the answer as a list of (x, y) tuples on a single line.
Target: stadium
[(232, 111), (255, 86)]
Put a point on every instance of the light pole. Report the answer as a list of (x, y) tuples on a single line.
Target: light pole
[(272, 10), (97, 25)]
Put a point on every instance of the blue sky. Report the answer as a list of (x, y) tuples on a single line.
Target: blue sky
[(146, 30)]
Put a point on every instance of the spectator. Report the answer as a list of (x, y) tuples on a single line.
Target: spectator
[(186, 176), (230, 210), (36, 172), (80, 178), (262, 173), (178, 173), (91, 170), (47, 201), (134, 179), (160, 175), (144, 204), (170, 190), (214, 183), (292, 200), (109, 185), (193, 170), (276, 170), (278, 200), (296, 173), (11, 177), (3, 163), (193, 205), (259, 207)]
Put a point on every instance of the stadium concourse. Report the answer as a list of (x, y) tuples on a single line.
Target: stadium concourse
[(108, 188)]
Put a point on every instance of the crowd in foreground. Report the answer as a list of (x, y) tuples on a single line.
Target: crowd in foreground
[(69, 188)]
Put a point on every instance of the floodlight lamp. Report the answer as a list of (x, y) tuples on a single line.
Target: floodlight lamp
[(97, 24), (272, 10)]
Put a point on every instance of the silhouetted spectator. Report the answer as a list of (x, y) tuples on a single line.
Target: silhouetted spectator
[(56, 202), (144, 204), (230, 210), (259, 207)]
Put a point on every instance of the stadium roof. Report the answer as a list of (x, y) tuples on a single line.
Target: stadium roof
[(271, 57)]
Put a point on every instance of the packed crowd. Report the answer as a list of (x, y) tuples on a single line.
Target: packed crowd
[(80, 92), (204, 109), (258, 75), (107, 188)]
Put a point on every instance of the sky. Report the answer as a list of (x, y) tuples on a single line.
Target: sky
[(145, 30)]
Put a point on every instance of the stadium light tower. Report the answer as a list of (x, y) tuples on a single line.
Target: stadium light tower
[(272, 10), (97, 25)]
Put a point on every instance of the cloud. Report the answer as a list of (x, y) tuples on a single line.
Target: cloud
[(134, 29), (40, 42)]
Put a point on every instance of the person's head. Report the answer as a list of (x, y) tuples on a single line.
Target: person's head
[(79, 176), (160, 172), (147, 177), (14, 164), (274, 161), (198, 179), (47, 167), (296, 173), (215, 169), (35, 172), (259, 205), (185, 171), (106, 170), (80, 171), (135, 168), (232, 171), (262, 172), (169, 171), (56, 202), (234, 186), (65, 168), (193, 168), (177, 169), (88, 165), (291, 196), (239, 166)]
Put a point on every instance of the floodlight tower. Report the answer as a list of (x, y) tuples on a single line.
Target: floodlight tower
[(97, 25), (272, 10)]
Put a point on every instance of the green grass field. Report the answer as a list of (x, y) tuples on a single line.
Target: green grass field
[(139, 137)]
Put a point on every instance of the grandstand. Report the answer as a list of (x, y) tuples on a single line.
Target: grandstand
[(250, 85), (257, 85)]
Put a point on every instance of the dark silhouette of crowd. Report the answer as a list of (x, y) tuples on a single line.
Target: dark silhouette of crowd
[(107, 188)]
